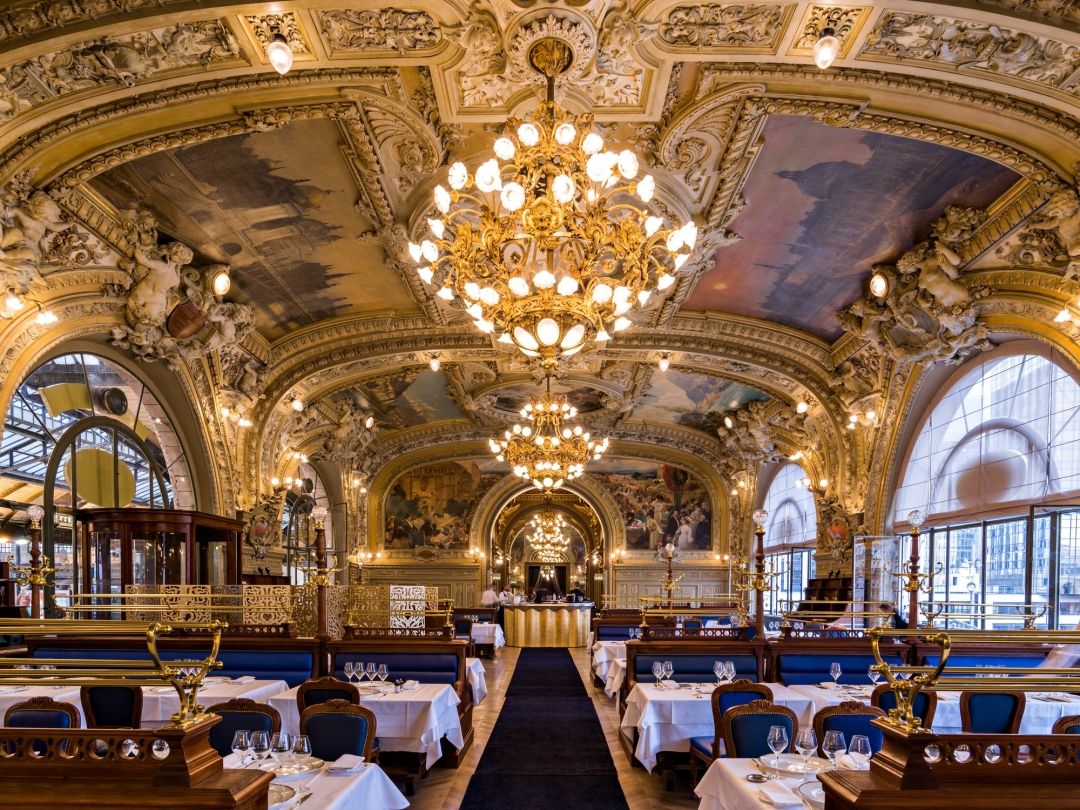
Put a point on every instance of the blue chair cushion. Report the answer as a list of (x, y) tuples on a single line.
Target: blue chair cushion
[(613, 632), (693, 668), (990, 713), (729, 700), (951, 671), (221, 735), (113, 706), (750, 733), (851, 724), (39, 719), (702, 744), (801, 668), (425, 667), (333, 734)]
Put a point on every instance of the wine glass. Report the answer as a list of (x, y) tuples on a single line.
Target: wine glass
[(349, 671), (874, 675), (658, 672), (778, 743), (669, 670), (834, 670), (371, 670), (859, 751), (280, 747), (260, 745), (719, 669), (241, 744), (301, 748), (806, 744), (382, 672), (833, 745), (729, 671)]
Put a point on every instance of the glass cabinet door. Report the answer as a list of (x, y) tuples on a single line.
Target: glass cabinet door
[(159, 558), (212, 562)]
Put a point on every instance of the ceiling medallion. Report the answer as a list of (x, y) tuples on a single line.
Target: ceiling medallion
[(545, 243), (544, 450)]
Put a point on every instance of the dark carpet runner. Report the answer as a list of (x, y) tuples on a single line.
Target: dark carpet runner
[(547, 748)]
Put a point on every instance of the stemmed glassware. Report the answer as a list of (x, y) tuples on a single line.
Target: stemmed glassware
[(874, 675), (729, 671), (241, 744), (260, 745), (805, 744), (669, 670), (658, 672), (382, 672), (778, 743), (859, 751), (834, 670), (833, 745), (370, 670), (719, 668), (349, 672), (281, 748)]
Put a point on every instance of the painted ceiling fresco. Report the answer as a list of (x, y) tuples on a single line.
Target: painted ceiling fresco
[(513, 398), (822, 206), (692, 400), (406, 398), (284, 221)]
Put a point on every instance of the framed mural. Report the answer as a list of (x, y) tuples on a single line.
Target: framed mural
[(429, 508), (660, 504)]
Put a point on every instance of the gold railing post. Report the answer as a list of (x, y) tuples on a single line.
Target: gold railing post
[(322, 610), (759, 569)]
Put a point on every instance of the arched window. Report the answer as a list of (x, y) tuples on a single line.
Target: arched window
[(790, 535), (297, 526)]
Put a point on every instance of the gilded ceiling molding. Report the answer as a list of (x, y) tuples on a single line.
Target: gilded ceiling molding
[(730, 28)]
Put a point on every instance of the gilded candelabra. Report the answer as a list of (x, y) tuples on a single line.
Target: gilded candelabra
[(914, 582), (760, 581), (669, 582), (36, 573), (616, 559)]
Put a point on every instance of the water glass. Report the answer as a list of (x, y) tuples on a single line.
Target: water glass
[(669, 670), (729, 671), (874, 675), (241, 744), (834, 670), (280, 747), (382, 672), (658, 672), (833, 745), (778, 742), (859, 751), (806, 744), (260, 745), (719, 668)]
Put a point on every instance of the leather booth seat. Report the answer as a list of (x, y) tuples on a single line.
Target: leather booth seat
[(425, 667), (803, 668)]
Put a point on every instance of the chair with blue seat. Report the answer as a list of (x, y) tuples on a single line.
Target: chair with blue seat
[(463, 632), (320, 690), (338, 727), (1070, 724), (112, 706), (745, 728), (850, 718), (924, 706), (241, 714), (991, 712), (704, 750), (42, 712), (692, 627)]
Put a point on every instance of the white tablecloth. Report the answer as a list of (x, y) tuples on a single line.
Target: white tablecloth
[(10, 695), (369, 788), (161, 702), (486, 633), (616, 674), (474, 671), (724, 787), (667, 719), (404, 721), (604, 653)]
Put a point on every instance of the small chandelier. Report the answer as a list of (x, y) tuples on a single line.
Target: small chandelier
[(543, 450), (544, 243), (548, 540)]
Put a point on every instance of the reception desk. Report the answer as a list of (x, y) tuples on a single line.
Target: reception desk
[(548, 624)]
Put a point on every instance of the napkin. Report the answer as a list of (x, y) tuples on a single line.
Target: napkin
[(346, 763), (846, 762), (779, 795), (410, 684), (669, 684), (244, 679)]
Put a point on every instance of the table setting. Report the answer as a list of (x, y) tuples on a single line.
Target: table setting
[(161, 702), (488, 633)]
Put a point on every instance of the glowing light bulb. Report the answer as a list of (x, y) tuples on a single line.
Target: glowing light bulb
[(664, 363), (426, 274), (802, 407), (442, 199), (567, 285), (592, 144), (664, 281), (544, 280), (528, 134), (601, 293), (434, 363), (279, 54), (437, 227), (297, 404), (458, 176), (504, 148), (627, 164), (562, 188), (826, 49), (512, 197), (220, 283), (488, 178), (518, 286), (565, 134), (646, 187)]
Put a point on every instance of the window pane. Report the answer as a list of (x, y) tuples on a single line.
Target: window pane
[(1069, 570)]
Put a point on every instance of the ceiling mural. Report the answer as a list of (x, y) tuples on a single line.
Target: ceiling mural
[(280, 208), (823, 205), (404, 398), (693, 400), (512, 398)]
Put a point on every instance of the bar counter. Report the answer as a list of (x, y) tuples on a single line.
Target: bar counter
[(548, 624)]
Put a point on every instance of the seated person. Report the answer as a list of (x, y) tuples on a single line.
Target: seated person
[(895, 619), (1063, 656)]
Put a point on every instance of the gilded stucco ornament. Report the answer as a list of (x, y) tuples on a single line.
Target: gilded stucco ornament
[(1050, 238), (755, 25), (262, 527), (382, 29)]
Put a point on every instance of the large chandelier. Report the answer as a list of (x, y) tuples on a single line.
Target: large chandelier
[(543, 449), (545, 242)]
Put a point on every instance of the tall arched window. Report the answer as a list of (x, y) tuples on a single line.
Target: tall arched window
[(997, 448), (790, 534)]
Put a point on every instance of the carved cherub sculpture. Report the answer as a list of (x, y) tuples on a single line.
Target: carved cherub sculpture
[(1062, 215), (157, 275)]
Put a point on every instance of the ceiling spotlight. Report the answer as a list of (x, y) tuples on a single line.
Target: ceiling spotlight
[(879, 285), (665, 362), (220, 282), (823, 483), (728, 423), (297, 404), (826, 49), (280, 54), (1063, 317), (369, 421), (434, 362), (13, 303), (46, 318), (802, 407)]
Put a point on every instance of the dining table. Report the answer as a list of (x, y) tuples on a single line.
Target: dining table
[(604, 654), (616, 674), (367, 786), (477, 677), (414, 720), (725, 786), (160, 703), (489, 634)]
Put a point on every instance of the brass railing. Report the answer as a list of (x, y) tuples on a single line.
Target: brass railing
[(936, 612), (833, 611)]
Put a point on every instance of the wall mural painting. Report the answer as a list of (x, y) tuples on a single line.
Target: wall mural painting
[(660, 503), (430, 507), (693, 400)]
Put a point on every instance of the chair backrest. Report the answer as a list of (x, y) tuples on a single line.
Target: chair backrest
[(42, 712), (320, 690), (745, 728), (463, 628), (850, 718), (241, 714), (692, 626), (112, 706), (1069, 724), (338, 727), (991, 712), (924, 706), (728, 696)]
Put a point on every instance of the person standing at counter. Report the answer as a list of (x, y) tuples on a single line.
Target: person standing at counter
[(577, 594), (489, 598)]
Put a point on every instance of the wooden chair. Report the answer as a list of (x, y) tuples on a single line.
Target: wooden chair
[(1070, 724), (924, 707), (746, 728), (338, 727), (850, 718), (112, 706), (42, 712), (704, 750), (463, 632), (991, 712), (320, 690), (241, 714)]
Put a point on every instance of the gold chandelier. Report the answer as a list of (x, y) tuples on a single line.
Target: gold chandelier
[(543, 450), (548, 540), (545, 243)]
